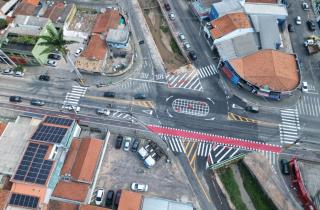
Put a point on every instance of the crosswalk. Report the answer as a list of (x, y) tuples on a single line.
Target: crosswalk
[(187, 80), (203, 149), (207, 71), (290, 126), (73, 97), (271, 156), (121, 115), (309, 106)]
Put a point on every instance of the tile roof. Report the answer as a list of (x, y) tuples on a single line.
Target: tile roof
[(33, 2), (4, 195), (25, 9), (104, 21), (54, 205), (90, 207), (96, 49), (228, 23), (71, 191), (130, 200), (275, 69), (58, 12), (82, 159), (2, 127)]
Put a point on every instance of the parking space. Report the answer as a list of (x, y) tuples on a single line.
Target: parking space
[(120, 168)]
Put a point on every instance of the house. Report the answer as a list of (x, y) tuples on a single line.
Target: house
[(224, 7), (21, 42), (118, 38), (25, 8), (201, 9), (61, 14), (110, 19), (130, 200)]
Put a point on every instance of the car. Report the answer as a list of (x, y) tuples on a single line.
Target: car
[(140, 96), (43, 77), (8, 71), (253, 109), (52, 63), (209, 25), (311, 25), (102, 111), (99, 196), (308, 42), (135, 145), (109, 198), (167, 6), (119, 66), (298, 20), (15, 99), (305, 6), (78, 51), (37, 102), (290, 28), (117, 198), (70, 107), (284, 164), (141, 42), (127, 141), (181, 37), (186, 45), (119, 142), (139, 187), (109, 94), (192, 55), (172, 16), (304, 87), (54, 56), (19, 74)]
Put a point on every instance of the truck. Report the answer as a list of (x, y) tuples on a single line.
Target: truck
[(149, 162), (312, 43), (143, 153)]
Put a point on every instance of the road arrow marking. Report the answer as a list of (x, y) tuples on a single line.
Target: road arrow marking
[(167, 99), (148, 111)]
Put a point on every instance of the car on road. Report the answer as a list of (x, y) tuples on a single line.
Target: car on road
[(127, 141), (8, 71), (167, 6), (141, 42), (52, 63), (119, 142), (19, 74), (109, 94), (284, 164), (290, 28), (37, 102), (43, 77), (117, 198), (192, 55), (311, 25), (253, 109), (139, 187), (172, 16), (109, 198), (70, 107), (135, 145), (15, 99), (305, 6), (140, 96), (54, 56), (78, 51), (181, 37), (304, 87), (298, 20), (102, 111), (99, 196), (186, 46)]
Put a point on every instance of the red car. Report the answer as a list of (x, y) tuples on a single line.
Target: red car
[(167, 7)]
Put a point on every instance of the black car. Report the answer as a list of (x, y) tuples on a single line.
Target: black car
[(284, 164), (37, 102), (167, 6), (290, 28), (109, 198), (311, 25), (44, 77), (117, 198), (15, 99), (109, 94), (135, 145), (140, 96), (119, 142), (141, 42), (54, 56), (192, 55)]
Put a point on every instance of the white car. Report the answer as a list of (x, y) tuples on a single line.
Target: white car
[(305, 6), (181, 37), (52, 63), (79, 51), (99, 197), (8, 71), (103, 111), (304, 87), (298, 20), (308, 42), (127, 141), (19, 74), (186, 45), (172, 16), (72, 108), (139, 187)]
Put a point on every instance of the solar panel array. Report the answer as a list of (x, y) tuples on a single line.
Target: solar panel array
[(49, 134), (33, 167), (24, 200), (58, 121)]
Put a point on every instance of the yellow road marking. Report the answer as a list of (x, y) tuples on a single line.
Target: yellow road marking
[(235, 117), (187, 144), (189, 152), (193, 157)]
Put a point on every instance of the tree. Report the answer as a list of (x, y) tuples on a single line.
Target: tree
[(54, 41), (3, 24)]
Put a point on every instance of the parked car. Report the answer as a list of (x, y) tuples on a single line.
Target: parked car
[(19, 74), (304, 87), (290, 28), (102, 111), (117, 198), (44, 77), (141, 42), (119, 142), (109, 198), (192, 55), (52, 63), (15, 99), (311, 25), (54, 56), (308, 42), (139, 187), (253, 109), (109, 94), (99, 197), (181, 37), (78, 51), (37, 102), (172, 16), (127, 141), (70, 107), (8, 71), (284, 164), (186, 45), (167, 6), (119, 66), (135, 145), (140, 96), (298, 20), (305, 6)]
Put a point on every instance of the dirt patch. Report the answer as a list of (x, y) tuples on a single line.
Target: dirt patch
[(154, 20)]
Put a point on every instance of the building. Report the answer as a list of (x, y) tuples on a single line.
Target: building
[(201, 9), (163, 204), (25, 8), (118, 38), (130, 200), (225, 7), (21, 42), (61, 14), (105, 21)]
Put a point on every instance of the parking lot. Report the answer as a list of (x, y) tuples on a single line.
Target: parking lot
[(120, 168)]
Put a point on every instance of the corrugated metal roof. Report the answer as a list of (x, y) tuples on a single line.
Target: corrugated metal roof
[(227, 6), (265, 9), (164, 204)]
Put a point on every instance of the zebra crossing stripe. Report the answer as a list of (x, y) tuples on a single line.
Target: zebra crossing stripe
[(224, 155)]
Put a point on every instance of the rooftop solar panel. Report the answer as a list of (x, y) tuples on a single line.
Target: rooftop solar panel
[(58, 121), (24, 200), (49, 134)]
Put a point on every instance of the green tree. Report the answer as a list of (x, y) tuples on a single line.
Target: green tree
[(55, 41), (3, 24)]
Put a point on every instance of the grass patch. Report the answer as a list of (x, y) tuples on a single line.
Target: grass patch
[(174, 46), (232, 188), (164, 29), (259, 198)]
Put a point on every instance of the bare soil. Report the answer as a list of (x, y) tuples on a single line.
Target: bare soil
[(154, 20)]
